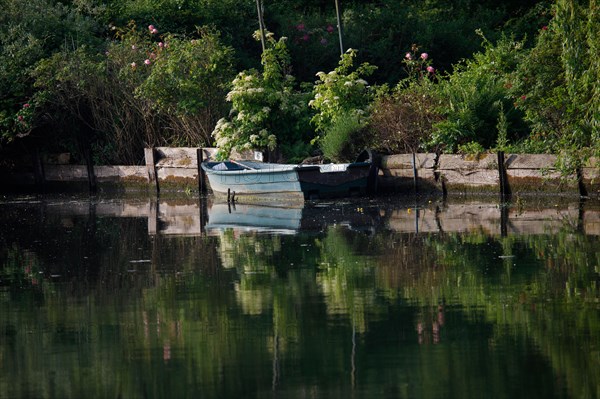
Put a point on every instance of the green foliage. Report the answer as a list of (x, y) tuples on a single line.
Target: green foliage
[(145, 90), (402, 120), (341, 92), (558, 86), (472, 96), (267, 109), (471, 148), (341, 100), (29, 32), (344, 138)]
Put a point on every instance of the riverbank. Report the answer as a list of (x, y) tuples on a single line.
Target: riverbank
[(177, 170)]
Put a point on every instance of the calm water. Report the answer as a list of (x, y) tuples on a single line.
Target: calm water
[(175, 298)]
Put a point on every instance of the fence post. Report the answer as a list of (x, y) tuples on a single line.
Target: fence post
[(415, 175), (580, 183), (201, 177), (151, 167), (38, 171), (504, 187)]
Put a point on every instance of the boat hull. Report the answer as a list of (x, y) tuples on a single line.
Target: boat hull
[(254, 180), (257, 181), (327, 181)]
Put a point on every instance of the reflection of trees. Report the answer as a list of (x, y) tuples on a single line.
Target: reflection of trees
[(239, 314), (544, 287), (346, 278)]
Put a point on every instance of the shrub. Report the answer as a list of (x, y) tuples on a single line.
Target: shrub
[(402, 121), (144, 90), (339, 96), (558, 85), (475, 94), (343, 139), (267, 110)]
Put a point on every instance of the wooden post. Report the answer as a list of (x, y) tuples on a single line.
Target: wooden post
[(580, 183), (503, 220), (151, 167), (415, 176), (89, 164), (201, 177), (38, 171), (504, 187), (153, 217)]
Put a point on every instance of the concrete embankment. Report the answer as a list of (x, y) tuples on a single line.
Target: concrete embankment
[(177, 169)]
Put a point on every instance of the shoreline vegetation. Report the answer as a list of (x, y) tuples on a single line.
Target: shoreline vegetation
[(100, 81)]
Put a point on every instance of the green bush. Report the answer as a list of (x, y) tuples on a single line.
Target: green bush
[(343, 139), (146, 89), (402, 121), (558, 85), (341, 92), (268, 111), (475, 94)]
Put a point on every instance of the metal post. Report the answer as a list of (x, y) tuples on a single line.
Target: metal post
[(339, 25), (261, 24)]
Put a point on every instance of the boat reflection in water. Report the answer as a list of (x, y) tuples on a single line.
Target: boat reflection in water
[(288, 219)]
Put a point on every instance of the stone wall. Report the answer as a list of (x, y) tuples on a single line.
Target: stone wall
[(486, 173), (177, 169)]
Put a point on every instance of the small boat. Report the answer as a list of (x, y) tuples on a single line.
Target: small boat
[(257, 181)]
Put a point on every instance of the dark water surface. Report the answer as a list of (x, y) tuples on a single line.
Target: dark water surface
[(353, 299)]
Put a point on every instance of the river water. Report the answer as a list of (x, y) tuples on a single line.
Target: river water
[(386, 298)]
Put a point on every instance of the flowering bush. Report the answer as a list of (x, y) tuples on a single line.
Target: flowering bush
[(339, 96), (143, 90), (402, 120), (341, 92), (417, 65), (267, 111)]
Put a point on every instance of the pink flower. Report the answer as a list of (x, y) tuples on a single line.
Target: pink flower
[(408, 56), (150, 28), (430, 69), (154, 31), (424, 56), (147, 62), (20, 118), (133, 64), (133, 47), (300, 26), (544, 28), (305, 38), (26, 105), (161, 44), (523, 98), (330, 28)]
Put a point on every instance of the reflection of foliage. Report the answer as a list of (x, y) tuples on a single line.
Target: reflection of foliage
[(117, 326), (346, 279), (19, 268)]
